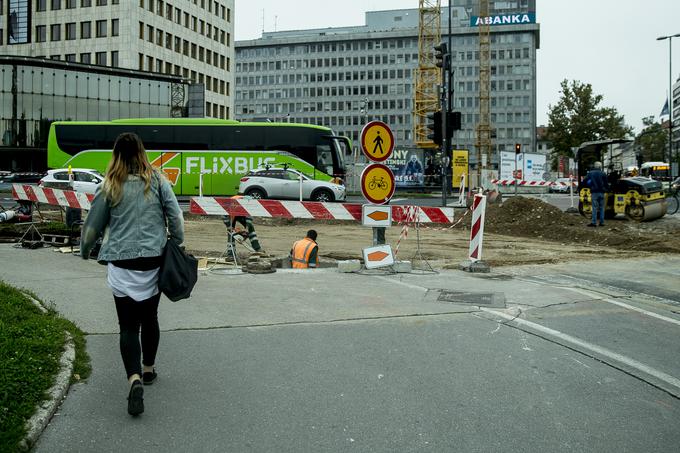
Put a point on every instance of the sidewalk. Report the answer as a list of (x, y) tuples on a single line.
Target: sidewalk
[(311, 361)]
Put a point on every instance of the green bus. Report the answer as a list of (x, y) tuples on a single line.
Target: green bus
[(211, 153)]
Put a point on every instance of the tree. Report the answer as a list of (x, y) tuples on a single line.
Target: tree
[(578, 117), (652, 141)]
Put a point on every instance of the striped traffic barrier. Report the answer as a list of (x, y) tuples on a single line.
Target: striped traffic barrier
[(56, 197), (477, 228), (220, 206), (520, 183)]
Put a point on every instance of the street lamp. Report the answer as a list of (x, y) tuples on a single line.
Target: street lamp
[(670, 91)]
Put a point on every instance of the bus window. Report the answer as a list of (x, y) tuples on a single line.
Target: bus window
[(324, 159)]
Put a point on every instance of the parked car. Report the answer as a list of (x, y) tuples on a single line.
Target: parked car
[(7, 179), (84, 179), (561, 186), (285, 184)]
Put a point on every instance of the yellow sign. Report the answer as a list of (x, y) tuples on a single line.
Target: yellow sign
[(377, 183), (460, 167), (377, 141)]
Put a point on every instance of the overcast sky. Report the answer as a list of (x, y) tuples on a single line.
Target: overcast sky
[(610, 44)]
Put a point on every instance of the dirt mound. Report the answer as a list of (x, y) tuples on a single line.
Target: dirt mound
[(533, 218)]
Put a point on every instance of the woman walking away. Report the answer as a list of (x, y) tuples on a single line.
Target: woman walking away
[(129, 211)]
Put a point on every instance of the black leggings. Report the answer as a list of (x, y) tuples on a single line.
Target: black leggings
[(132, 315)]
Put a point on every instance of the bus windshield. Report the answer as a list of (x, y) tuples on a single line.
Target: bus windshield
[(217, 151)]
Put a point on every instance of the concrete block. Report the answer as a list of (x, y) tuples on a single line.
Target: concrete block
[(475, 266), (403, 267), (349, 266)]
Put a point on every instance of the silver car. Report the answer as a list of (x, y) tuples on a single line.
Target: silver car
[(280, 183), (561, 185), (84, 179)]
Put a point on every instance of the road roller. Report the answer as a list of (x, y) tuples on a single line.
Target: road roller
[(638, 198)]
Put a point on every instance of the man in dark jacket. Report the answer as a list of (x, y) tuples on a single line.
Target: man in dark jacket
[(596, 180)]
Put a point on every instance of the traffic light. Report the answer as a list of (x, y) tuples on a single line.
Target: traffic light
[(518, 148), (441, 54), (434, 123), (453, 123)]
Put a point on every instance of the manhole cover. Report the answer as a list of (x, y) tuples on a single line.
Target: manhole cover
[(458, 297)]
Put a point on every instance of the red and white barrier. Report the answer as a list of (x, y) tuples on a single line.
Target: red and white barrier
[(477, 229), (57, 197), (307, 210), (520, 183)]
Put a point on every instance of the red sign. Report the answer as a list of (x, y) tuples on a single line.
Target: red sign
[(377, 183)]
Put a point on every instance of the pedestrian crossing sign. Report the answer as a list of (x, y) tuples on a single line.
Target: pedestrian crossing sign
[(377, 141)]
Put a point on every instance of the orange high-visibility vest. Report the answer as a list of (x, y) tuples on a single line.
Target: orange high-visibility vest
[(302, 250)]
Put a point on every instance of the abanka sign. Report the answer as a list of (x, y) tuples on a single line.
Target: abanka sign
[(504, 19)]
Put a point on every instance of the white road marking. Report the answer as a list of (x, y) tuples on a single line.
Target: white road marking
[(629, 307), (391, 280), (660, 375)]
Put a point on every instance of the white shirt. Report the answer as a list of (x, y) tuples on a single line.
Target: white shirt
[(139, 285)]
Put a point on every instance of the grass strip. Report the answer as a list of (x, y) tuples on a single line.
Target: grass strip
[(31, 343)]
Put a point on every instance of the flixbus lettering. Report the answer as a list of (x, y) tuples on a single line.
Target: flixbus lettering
[(225, 165)]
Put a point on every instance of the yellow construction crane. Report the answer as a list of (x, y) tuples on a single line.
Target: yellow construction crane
[(428, 76), (483, 142)]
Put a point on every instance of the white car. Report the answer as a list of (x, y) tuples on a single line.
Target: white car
[(561, 185), (84, 180), (279, 183)]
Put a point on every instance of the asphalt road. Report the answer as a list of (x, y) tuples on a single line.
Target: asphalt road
[(557, 358)]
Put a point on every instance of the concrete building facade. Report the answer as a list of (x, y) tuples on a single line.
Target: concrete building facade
[(187, 38), (343, 77)]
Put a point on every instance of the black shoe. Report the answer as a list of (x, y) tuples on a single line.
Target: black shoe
[(149, 376), (591, 225), (136, 398), (601, 224)]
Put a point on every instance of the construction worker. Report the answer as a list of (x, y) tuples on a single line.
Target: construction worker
[(305, 252), (247, 223)]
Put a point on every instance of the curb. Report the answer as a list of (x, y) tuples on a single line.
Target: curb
[(45, 410)]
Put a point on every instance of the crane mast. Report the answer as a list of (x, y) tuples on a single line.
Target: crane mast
[(428, 75)]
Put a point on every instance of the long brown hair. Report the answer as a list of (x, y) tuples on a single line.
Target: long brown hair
[(129, 158)]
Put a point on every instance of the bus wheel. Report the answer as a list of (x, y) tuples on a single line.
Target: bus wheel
[(322, 195), (256, 193)]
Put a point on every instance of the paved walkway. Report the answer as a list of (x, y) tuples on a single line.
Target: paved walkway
[(321, 361)]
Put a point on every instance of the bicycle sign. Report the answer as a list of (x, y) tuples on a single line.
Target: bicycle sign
[(377, 141), (377, 183)]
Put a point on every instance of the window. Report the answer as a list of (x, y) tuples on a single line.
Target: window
[(55, 32), (101, 29), (101, 2), (71, 57), (114, 58), (70, 31), (41, 33), (41, 5), (85, 58), (141, 30), (101, 58), (70, 4), (85, 30), (86, 4), (56, 4), (114, 27), (149, 33)]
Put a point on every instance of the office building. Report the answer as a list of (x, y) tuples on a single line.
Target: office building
[(34, 92), (187, 38), (342, 77)]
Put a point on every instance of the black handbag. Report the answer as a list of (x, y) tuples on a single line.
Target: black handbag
[(178, 273), (179, 269)]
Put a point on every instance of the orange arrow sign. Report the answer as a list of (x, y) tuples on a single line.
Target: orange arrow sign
[(377, 256), (378, 215)]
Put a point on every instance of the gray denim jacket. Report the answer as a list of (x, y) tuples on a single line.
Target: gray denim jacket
[(135, 227)]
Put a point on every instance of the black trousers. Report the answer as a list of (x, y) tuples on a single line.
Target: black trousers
[(131, 316)]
